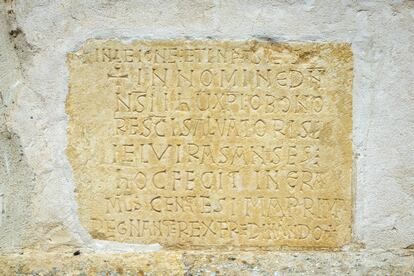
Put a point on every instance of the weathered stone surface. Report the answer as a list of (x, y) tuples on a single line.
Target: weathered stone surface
[(40, 209), (397, 262), (80, 263), (212, 143)]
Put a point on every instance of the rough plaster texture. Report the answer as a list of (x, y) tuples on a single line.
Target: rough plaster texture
[(37, 198)]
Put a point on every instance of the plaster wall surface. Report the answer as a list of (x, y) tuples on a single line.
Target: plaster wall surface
[(38, 208)]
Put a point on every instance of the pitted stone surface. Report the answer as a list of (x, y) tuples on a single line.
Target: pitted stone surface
[(192, 143), (177, 262)]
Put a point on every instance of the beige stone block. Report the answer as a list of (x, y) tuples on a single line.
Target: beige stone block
[(181, 262), (222, 144)]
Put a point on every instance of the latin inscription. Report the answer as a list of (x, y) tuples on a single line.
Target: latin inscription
[(212, 143)]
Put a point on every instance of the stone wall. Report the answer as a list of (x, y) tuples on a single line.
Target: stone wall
[(37, 199)]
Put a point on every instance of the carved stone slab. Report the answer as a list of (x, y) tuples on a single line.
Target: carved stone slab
[(212, 143)]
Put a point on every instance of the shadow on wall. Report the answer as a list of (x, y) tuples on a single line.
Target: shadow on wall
[(16, 189)]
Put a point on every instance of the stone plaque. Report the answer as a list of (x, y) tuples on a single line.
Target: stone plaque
[(212, 143)]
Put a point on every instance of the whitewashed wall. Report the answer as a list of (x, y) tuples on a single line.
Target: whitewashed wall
[(36, 185)]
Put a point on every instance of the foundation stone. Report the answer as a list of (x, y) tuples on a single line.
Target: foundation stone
[(212, 143)]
